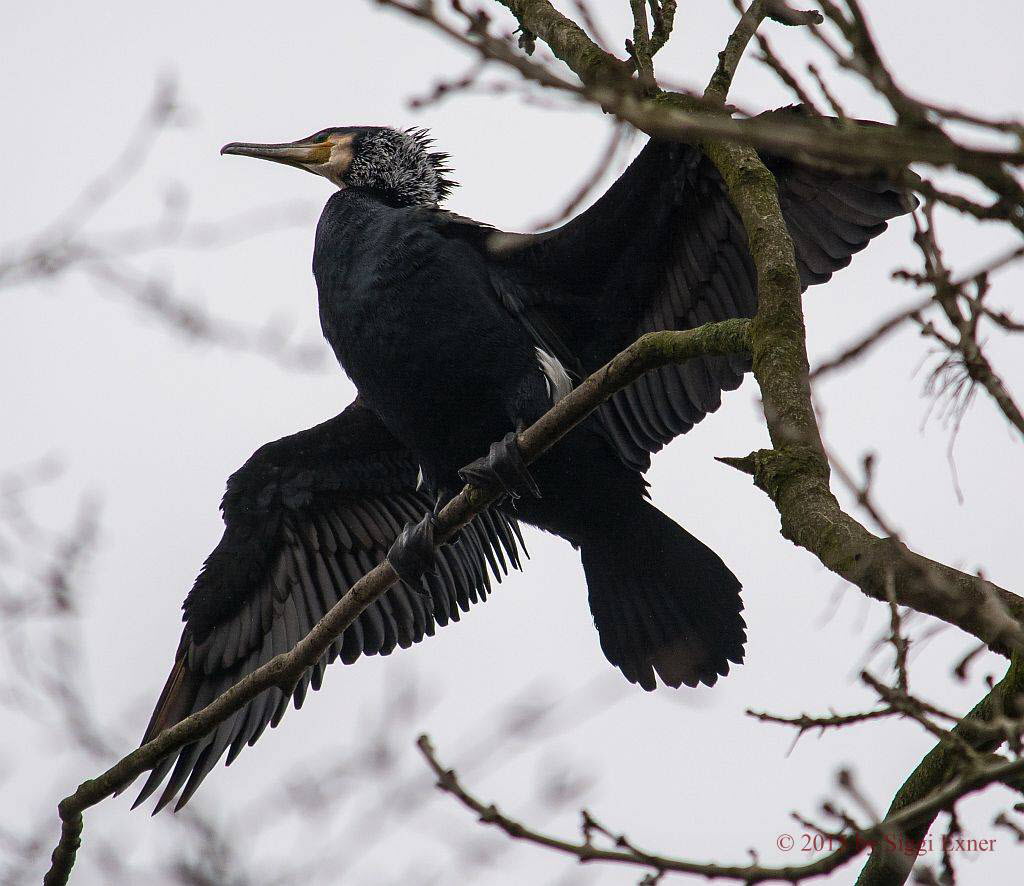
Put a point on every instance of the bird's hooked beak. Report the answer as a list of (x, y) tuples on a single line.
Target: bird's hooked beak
[(328, 155), (303, 154)]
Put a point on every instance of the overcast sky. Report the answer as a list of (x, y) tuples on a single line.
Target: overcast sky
[(152, 424)]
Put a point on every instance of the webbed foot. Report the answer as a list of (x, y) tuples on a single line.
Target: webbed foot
[(503, 468), (413, 554)]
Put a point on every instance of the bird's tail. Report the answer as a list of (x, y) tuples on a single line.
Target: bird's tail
[(662, 600)]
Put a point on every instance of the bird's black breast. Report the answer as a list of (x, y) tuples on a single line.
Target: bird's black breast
[(412, 316)]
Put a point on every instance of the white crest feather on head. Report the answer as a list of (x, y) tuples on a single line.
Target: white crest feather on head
[(401, 166)]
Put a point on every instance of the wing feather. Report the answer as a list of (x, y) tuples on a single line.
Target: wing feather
[(305, 518), (665, 249)]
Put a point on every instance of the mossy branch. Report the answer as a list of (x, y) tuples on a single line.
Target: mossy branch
[(283, 671), (606, 81), (795, 473), (937, 769), (729, 58)]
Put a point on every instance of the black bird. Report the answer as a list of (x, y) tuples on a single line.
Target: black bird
[(455, 334)]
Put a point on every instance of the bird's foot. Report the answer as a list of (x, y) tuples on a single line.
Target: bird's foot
[(503, 468), (414, 554), (442, 499)]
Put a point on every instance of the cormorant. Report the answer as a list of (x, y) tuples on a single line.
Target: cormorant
[(455, 334)]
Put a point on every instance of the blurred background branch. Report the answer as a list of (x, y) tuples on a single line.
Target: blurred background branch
[(70, 245)]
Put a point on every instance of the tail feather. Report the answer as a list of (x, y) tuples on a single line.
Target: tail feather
[(663, 602)]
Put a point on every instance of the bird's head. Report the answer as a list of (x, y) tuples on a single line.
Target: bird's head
[(397, 165)]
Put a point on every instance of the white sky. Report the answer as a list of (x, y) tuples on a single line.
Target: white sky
[(153, 425)]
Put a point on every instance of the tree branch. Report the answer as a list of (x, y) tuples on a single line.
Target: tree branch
[(664, 14), (607, 83), (640, 46), (650, 351), (938, 768), (795, 473), (729, 58), (851, 843), (949, 294), (684, 118)]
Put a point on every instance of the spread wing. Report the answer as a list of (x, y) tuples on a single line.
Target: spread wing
[(665, 249), (305, 518)]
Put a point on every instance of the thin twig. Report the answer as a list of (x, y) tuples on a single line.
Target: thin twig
[(852, 842)]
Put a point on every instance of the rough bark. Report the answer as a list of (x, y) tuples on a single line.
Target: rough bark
[(937, 769), (650, 351), (795, 473)]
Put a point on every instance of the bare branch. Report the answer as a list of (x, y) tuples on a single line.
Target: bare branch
[(769, 58), (867, 341), (806, 722), (962, 312), (851, 842), (781, 12), (639, 48), (593, 179), (664, 14), (938, 769), (795, 474), (109, 258), (652, 350), (729, 58)]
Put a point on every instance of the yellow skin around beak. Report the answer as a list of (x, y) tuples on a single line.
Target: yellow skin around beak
[(329, 158)]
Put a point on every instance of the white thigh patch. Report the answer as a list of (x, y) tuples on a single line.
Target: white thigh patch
[(555, 377)]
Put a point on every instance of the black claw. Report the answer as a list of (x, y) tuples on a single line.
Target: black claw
[(413, 554), (504, 468)]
